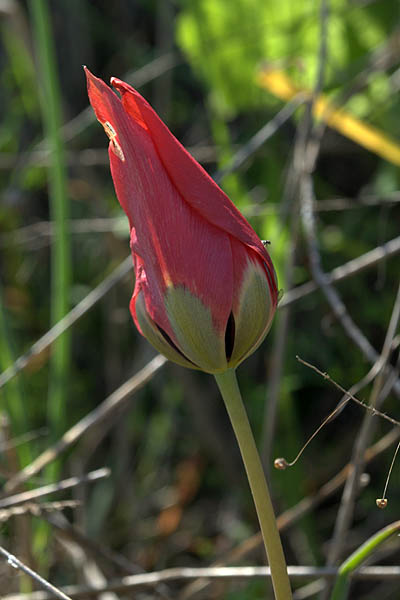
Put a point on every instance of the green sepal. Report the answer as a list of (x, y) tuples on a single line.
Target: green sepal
[(195, 333), (151, 332), (254, 317)]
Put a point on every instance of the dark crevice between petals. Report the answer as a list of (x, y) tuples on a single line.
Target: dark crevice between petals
[(229, 336), (272, 283), (174, 346)]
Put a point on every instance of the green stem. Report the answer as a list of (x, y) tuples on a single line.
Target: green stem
[(58, 199), (12, 396), (229, 389)]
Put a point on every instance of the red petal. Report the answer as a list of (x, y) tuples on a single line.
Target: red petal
[(192, 181), (175, 244)]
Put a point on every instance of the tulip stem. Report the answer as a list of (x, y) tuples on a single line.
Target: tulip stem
[(231, 395)]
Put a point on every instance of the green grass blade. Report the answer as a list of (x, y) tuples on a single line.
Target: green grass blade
[(11, 398), (342, 584), (61, 259)]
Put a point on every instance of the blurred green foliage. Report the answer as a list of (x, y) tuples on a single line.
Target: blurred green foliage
[(227, 41), (175, 433)]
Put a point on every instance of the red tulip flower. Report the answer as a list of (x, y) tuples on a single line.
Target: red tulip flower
[(206, 290)]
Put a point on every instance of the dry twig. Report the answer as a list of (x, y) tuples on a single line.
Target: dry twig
[(349, 394), (66, 484), (70, 318), (352, 267), (51, 590), (347, 504), (36, 510), (146, 580), (293, 514)]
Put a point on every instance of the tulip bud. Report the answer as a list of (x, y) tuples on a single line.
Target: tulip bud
[(206, 290)]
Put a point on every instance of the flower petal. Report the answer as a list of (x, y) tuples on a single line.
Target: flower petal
[(176, 244), (192, 181), (205, 289)]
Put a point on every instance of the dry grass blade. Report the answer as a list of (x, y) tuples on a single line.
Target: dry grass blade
[(53, 487)]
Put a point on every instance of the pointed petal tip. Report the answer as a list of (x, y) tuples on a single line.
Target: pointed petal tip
[(96, 82), (92, 78), (121, 86), (88, 73), (118, 84), (104, 101)]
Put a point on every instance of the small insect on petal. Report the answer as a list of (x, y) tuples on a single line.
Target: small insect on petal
[(112, 135)]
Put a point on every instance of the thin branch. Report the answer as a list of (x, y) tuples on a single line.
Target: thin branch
[(37, 510), (146, 580), (308, 149), (37, 234), (260, 137), (323, 47), (66, 484), (369, 408), (116, 401), (51, 592), (90, 157), (337, 305), (364, 201), (40, 232), (76, 313), (98, 551), (331, 295), (352, 267), (347, 504), (292, 515), (22, 439)]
